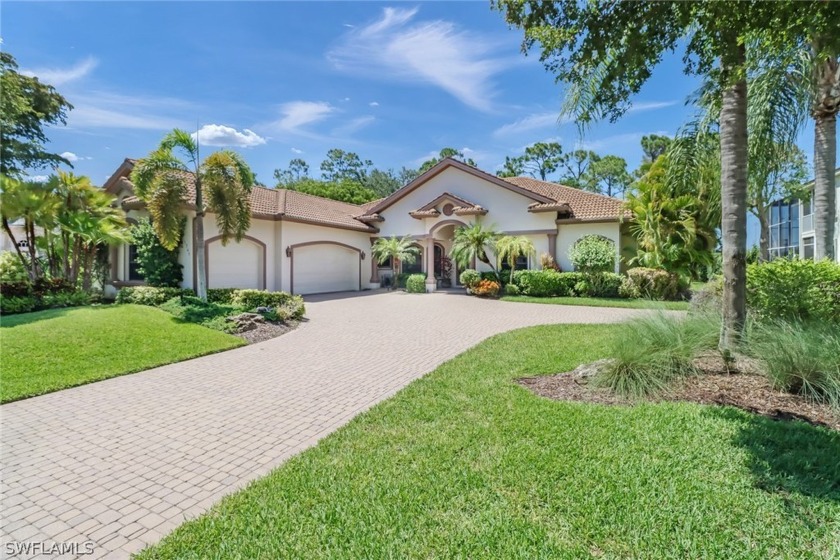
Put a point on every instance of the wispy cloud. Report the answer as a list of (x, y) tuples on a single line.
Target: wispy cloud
[(374, 104), (220, 135), (535, 121), (62, 76), (299, 113), (612, 142), (354, 125), (640, 106), (434, 52), (297, 151), (111, 110)]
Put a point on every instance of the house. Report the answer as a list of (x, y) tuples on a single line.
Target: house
[(306, 244), (792, 225)]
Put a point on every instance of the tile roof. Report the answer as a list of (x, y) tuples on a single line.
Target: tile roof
[(583, 205)]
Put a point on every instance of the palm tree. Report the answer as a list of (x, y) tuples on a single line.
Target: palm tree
[(396, 249), (473, 242), (510, 247), (35, 205), (162, 180)]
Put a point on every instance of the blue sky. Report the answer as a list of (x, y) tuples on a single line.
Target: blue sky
[(394, 82)]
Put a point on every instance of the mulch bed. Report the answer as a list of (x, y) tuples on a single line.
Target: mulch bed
[(267, 330), (743, 389)]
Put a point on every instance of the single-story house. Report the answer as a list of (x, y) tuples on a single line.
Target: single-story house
[(306, 244)]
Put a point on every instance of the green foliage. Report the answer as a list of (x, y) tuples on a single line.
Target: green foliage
[(11, 269), (416, 284), (220, 295), (607, 175), (512, 290), (474, 242), (17, 304), (510, 247), (651, 283), (469, 277), (340, 166), (593, 253), (251, 299), (654, 350), (344, 190), (547, 283), (539, 160), (148, 295), (397, 250), (195, 310), (795, 289), (158, 265), (602, 284), (800, 358), (445, 153), (27, 106), (64, 299), (655, 145)]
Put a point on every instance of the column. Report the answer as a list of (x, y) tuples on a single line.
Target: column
[(431, 282), (374, 266)]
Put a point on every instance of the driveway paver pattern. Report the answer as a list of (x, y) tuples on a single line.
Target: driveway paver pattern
[(124, 461)]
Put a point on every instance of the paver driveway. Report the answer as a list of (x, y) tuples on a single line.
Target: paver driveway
[(121, 462)]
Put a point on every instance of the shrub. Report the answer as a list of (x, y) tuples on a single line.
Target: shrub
[(512, 290), (652, 351), (548, 283), (547, 262), (158, 265), (416, 284), (469, 278), (794, 289), (709, 298), (604, 284), (16, 289), (11, 269), (801, 358), (45, 286), (64, 299), (194, 310), (220, 295), (251, 299), (488, 275), (486, 288), (651, 283), (593, 253), (16, 304), (148, 295)]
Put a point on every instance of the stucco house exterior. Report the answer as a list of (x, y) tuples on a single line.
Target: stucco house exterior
[(306, 244)]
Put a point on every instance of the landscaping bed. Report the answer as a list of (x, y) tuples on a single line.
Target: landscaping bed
[(712, 385)]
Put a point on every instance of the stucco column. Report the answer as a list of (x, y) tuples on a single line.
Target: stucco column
[(431, 282), (552, 245), (374, 266)]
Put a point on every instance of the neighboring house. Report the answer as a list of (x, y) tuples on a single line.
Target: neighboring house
[(19, 231), (306, 244), (792, 226)]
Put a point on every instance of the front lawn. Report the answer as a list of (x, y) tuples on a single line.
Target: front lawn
[(59, 348), (603, 302), (465, 463)]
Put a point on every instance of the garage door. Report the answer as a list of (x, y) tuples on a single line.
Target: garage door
[(236, 265), (325, 268)]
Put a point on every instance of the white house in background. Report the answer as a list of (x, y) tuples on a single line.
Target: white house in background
[(792, 226), (306, 244)]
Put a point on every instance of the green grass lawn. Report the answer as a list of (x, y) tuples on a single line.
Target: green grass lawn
[(466, 464), (59, 348), (602, 302)]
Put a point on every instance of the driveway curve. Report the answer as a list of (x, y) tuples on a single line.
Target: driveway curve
[(122, 462)]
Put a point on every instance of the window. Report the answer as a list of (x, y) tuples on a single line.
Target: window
[(808, 248), (133, 265), (417, 266), (386, 264), (784, 228), (521, 263)]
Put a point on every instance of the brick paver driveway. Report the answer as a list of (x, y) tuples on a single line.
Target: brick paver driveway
[(122, 462)]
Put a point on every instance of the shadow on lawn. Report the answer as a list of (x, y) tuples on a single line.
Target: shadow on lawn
[(789, 457), (7, 321)]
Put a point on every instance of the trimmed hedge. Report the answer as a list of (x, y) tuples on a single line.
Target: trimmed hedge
[(794, 289), (220, 295), (46, 293), (550, 283), (251, 299), (147, 295), (651, 283), (416, 284)]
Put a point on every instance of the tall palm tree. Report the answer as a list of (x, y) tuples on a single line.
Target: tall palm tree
[(511, 247), (162, 180), (473, 242), (35, 205), (825, 104), (396, 249)]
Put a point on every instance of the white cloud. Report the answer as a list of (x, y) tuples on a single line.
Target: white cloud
[(640, 106), (374, 104), (111, 110), (535, 121), (37, 178), (299, 113), (221, 135), (61, 76), (69, 156), (354, 125), (628, 138), (297, 151), (434, 52), (346, 99)]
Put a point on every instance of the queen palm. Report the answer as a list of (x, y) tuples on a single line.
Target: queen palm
[(511, 247), (473, 242), (396, 249), (222, 184)]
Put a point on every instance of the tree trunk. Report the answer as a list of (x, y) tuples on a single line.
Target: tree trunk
[(825, 205), (733, 179), (87, 275), (30, 240), (200, 262), (20, 254), (764, 236)]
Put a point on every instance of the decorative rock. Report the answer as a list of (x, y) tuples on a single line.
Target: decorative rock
[(246, 321), (586, 371)]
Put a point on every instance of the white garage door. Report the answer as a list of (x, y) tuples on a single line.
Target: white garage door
[(325, 268), (237, 265)]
